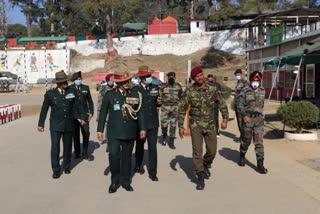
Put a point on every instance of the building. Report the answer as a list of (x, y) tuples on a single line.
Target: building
[(169, 25), (198, 25)]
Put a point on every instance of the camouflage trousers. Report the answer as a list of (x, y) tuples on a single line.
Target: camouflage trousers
[(254, 131), (168, 116), (239, 121)]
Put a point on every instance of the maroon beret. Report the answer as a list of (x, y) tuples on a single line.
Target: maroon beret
[(195, 71)]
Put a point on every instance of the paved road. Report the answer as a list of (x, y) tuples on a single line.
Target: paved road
[(27, 187)]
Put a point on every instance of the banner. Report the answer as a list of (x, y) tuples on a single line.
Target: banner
[(276, 35)]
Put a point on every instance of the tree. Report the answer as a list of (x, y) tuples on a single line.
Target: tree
[(31, 9), (17, 30), (104, 7), (3, 19)]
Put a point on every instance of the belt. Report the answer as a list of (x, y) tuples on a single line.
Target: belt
[(253, 115), (171, 104)]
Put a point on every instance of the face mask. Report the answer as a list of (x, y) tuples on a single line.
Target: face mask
[(171, 81), (255, 85), (77, 82), (238, 77), (148, 80), (110, 83), (136, 81)]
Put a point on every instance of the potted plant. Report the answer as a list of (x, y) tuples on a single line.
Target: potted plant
[(299, 115)]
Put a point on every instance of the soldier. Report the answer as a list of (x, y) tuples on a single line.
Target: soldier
[(201, 97), (84, 95), (251, 104), (241, 83), (212, 80), (151, 101), (171, 93), (108, 86), (123, 107), (65, 108)]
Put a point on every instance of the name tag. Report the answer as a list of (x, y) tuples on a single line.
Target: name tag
[(84, 91), (132, 100), (116, 107), (154, 93), (70, 96)]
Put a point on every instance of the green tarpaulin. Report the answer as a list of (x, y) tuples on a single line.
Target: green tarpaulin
[(134, 26), (43, 39), (310, 52)]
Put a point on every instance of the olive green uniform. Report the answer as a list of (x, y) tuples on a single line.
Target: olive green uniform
[(64, 109), (122, 130), (150, 111)]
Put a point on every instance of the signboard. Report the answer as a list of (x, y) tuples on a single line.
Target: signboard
[(225, 79), (276, 35)]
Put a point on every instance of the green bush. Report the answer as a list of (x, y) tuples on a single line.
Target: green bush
[(233, 105), (298, 115), (225, 92)]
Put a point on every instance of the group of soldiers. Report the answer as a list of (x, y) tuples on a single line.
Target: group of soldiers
[(128, 107)]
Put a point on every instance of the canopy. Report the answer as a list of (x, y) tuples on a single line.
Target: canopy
[(135, 26), (310, 52), (42, 39)]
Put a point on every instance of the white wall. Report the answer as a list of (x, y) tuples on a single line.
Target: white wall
[(33, 63), (195, 29), (176, 44)]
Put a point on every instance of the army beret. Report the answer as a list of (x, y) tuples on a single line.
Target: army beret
[(76, 76), (171, 74), (256, 74), (238, 71), (195, 71)]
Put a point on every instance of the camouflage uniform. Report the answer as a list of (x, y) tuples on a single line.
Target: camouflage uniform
[(169, 109), (216, 107), (240, 85), (102, 92), (251, 104), (201, 121)]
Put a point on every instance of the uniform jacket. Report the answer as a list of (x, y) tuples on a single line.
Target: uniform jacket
[(102, 92), (202, 102), (64, 109), (240, 85), (120, 125), (84, 97), (251, 102), (171, 93), (150, 95)]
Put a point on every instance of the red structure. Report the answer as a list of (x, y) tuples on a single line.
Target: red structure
[(167, 26)]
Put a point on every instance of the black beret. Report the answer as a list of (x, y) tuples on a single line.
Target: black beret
[(76, 76), (238, 71), (171, 74)]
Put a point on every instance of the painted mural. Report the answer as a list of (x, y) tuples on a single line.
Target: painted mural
[(37, 64)]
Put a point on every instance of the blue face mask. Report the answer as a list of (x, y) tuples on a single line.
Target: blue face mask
[(238, 77), (77, 82), (148, 80)]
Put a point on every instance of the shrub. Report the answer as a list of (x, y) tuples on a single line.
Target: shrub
[(298, 115), (225, 92)]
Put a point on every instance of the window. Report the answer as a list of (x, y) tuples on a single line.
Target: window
[(198, 24)]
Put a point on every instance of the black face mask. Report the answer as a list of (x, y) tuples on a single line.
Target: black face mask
[(171, 81)]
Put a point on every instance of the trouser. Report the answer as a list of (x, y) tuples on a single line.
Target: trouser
[(239, 120), (254, 131), (120, 152), (216, 118), (76, 137), (152, 135), (169, 116), (55, 149), (210, 139)]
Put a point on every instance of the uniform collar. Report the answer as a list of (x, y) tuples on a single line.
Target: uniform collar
[(197, 88)]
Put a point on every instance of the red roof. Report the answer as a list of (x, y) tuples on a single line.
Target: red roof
[(169, 19)]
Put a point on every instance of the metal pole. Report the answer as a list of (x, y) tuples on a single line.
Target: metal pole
[(45, 66), (274, 81), (246, 57), (262, 70), (297, 77), (265, 33), (6, 54), (25, 71), (67, 65)]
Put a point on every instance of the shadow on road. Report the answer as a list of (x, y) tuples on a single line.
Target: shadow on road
[(186, 165), (233, 155), (91, 148), (229, 135)]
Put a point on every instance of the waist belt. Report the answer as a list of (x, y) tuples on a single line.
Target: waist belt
[(196, 118), (170, 103), (254, 114)]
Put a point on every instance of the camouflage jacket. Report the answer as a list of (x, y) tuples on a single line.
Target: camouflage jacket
[(201, 101), (171, 93), (102, 92), (250, 101), (240, 85)]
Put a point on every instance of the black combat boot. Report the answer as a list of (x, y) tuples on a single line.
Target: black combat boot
[(260, 167), (171, 143), (206, 170), (200, 184), (242, 159), (164, 139), (138, 168)]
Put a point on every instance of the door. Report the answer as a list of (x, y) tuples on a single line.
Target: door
[(309, 81)]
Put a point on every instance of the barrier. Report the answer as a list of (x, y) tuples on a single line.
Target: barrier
[(10, 112)]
